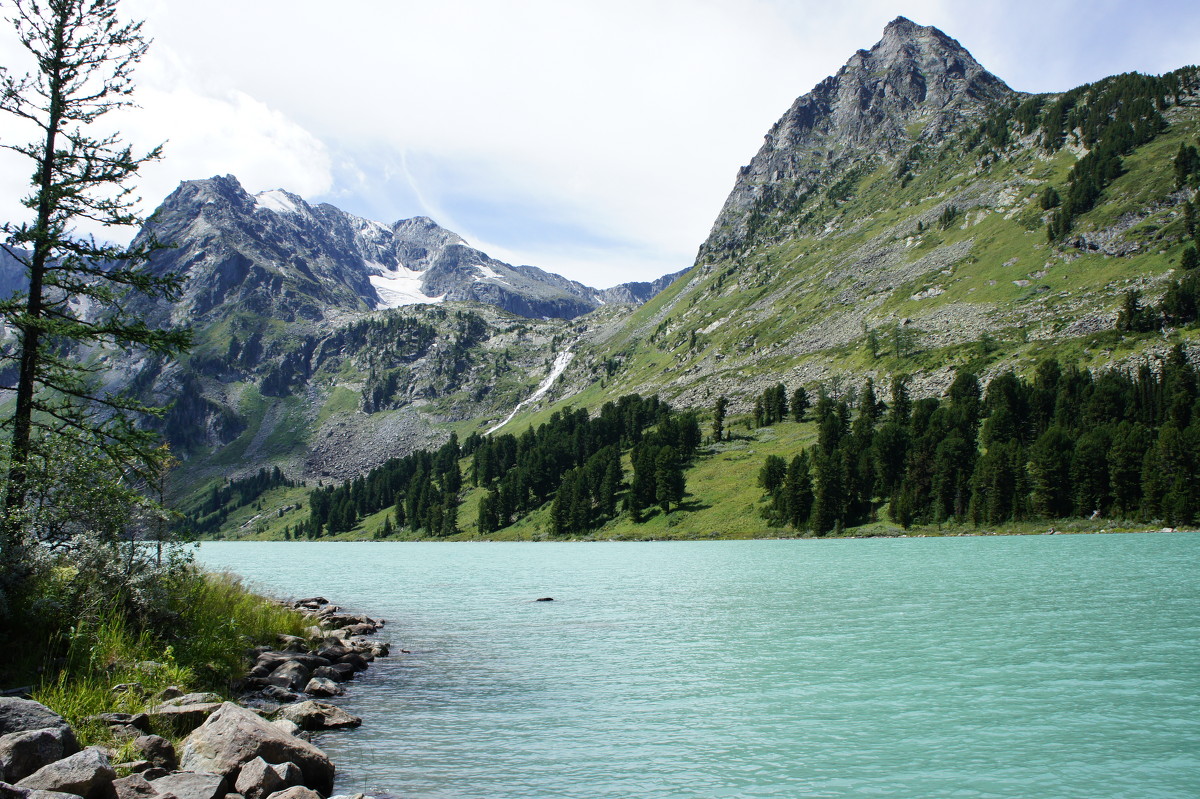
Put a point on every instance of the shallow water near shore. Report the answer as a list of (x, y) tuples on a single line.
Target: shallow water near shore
[(1014, 666)]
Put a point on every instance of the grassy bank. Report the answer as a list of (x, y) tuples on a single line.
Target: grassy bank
[(74, 644)]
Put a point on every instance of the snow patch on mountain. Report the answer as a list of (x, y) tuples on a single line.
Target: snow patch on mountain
[(561, 362), (400, 287), (276, 200)]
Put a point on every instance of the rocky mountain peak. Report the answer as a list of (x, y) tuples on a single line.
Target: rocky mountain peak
[(915, 85)]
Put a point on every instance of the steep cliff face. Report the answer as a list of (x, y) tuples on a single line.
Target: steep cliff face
[(913, 87)]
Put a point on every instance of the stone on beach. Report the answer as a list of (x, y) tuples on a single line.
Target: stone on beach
[(233, 736)]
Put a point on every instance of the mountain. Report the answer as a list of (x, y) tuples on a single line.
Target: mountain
[(915, 86), (274, 254), (910, 216), (326, 343), (899, 218)]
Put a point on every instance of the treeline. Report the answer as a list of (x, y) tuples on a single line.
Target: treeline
[(1110, 118), (573, 459), (422, 489), (222, 500), (1065, 443), (577, 459)]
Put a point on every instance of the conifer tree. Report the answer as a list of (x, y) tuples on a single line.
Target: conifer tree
[(799, 404), (668, 478), (718, 425), (85, 57)]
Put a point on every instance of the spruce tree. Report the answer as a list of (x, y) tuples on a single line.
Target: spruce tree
[(799, 404), (668, 478), (718, 425)]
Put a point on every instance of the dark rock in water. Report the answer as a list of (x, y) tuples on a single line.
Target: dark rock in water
[(355, 660), (319, 686), (545, 599), (278, 694), (311, 715), (88, 774), (340, 672), (290, 675)]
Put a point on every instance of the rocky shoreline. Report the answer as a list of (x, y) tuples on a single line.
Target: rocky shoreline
[(257, 748)]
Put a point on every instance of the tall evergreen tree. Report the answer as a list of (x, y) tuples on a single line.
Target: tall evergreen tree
[(85, 58)]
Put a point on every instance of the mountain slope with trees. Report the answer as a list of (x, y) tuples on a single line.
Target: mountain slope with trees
[(912, 217)]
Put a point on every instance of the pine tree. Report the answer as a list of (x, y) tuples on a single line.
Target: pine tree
[(668, 478), (1190, 258), (85, 57), (718, 425), (799, 404)]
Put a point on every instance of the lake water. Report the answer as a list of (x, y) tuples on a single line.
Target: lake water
[(1023, 666)]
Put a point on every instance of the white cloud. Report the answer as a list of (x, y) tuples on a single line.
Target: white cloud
[(598, 138)]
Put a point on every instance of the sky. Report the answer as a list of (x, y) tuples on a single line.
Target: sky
[(593, 138)]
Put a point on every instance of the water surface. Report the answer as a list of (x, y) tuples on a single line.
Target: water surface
[(1025, 666)]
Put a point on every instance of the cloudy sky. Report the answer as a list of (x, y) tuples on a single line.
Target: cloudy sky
[(594, 138)]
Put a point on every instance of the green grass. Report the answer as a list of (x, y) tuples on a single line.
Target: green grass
[(202, 641)]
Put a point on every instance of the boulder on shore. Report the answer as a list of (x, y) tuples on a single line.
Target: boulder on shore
[(291, 675), (21, 715), (312, 715), (88, 774), (182, 718), (296, 792), (23, 753), (259, 779), (233, 736), (192, 785)]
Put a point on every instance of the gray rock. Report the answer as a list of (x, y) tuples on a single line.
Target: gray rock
[(194, 699), (295, 792), (290, 675), (135, 786), (192, 785), (88, 773), (23, 753), (158, 750), (181, 719), (13, 792), (287, 726), (332, 673), (290, 773), (312, 715), (355, 660), (259, 779), (19, 715), (233, 736), (318, 686), (281, 695)]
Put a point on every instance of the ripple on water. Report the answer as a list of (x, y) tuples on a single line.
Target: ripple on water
[(985, 667)]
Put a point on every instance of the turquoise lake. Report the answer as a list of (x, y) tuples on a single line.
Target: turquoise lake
[(1005, 666)]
